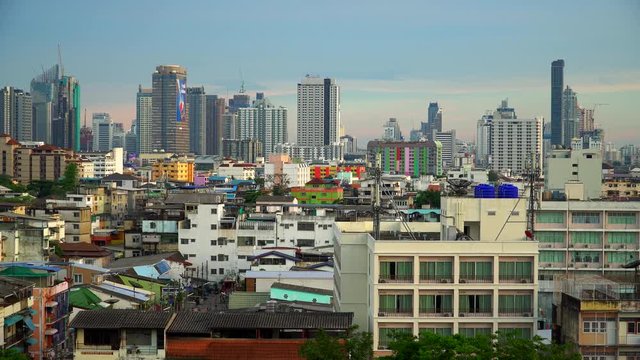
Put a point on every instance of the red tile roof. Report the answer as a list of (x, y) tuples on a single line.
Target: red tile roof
[(83, 250)]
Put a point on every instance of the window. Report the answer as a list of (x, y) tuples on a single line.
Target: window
[(246, 240), (194, 225), (480, 271), (594, 326), (516, 270), (396, 304), (470, 304), (76, 226), (193, 240), (214, 211), (214, 271), (401, 271), (550, 218), (549, 236), (585, 217), (551, 256), (76, 214), (522, 333), (152, 225), (623, 218), (89, 261), (305, 226), (445, 331), (77, 278), (305, 243), (631, 327), (76, 238), (515, 304), (214, 258), (436, 270), (184, 241), (586, 238), (436, 304), (214, 226), (621, 257), (386, 335), (221, 271), (585, 256), (473, 332), (214, 242), (222, 257), (622, 238)]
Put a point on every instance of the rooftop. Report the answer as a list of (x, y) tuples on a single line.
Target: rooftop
[(279, 285), (83, 250), (130, 262), (121, 319), (195, 198), (289, 275)]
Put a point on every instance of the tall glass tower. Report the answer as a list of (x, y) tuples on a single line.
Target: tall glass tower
[(557, 85), (169, 109)]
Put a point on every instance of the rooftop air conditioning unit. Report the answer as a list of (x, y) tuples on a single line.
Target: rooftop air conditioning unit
[(524, 281), (527, 314), (448, 314), (445, 281), (463, 281)]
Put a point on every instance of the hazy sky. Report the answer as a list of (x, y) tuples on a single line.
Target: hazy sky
[(389, 57)]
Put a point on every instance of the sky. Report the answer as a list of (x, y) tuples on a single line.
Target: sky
[(390, 58)]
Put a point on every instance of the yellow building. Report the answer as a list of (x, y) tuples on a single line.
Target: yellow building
[(173, 170), (621, 189)]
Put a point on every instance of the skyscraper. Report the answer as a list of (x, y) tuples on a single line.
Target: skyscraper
[(557, 85), (483, 140), (515, 143), (44, 89), (65, 124), (434, 121), (144, 120), (170, 120), (215, 108), (263, 122), (16, 113), (197, 110), (318, 112), (392, 130), (102, 132), (448, 141), (570, 117)]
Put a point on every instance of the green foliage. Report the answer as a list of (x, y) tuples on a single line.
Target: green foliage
[(493, 176), (41, 188), (431, 346), (70, 178), (7, 182), (11, 354), (354, 346), (251, 196), (59, 188), (428, 197)]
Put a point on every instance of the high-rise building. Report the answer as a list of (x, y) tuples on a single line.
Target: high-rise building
[(587, 121), (86, 139), (448, 141), (144, 120), (318, 112), (65, 124), (44, 90), (392, 130), (350, 144), (170, 118), (483, 140), (117, 135), (407, 158), (514, 143), (16, 113), (131, 141), (557, 85), (239, 101), (570, 117), (102, 132), (246, 150), (215, 108), (197, 110), (230, 126), (434, 121), (504, 111), (263, 122)]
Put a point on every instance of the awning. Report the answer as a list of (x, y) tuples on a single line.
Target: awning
[(10, 320), (31, 341), (33, 312), (51, 303), (28, 322)]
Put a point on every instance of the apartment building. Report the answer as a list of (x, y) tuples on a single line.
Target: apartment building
[(16, 312), (173, 170), (404, 282), (29, 238)]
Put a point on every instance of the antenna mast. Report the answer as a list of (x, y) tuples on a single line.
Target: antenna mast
[(377, 174), (532, 178), (242, 90), (60, 61)]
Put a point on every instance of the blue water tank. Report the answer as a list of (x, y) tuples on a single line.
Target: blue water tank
[(484, 191), (508, 191)]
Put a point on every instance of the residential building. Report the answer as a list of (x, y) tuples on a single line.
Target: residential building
[(44, 100), (230, 126), (65, 123), (392, 130), (46, 162), (576, 165), (144, 120), (320, 171), (621, 189), (261, 281), (86, 138), (408, 158), (237, 170), (263, 122), (273, 204), (197, 110), (587, 121), (247, 150), (600, 316), (177, 169), (107, 162), (400, 282), (215, 108), (84, 253), (16, 311), (332, 152), (319, 191), (570, 117), (51, 305), (16, 113), (516, 145), (281, 170), (350, 144), (170, 119), (116, 334), (77, 218), (30, 238), (557, 85), (318, 112), (448, 141), (102, 132)]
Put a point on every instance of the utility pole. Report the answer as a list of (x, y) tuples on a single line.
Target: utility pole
[(532, 178)]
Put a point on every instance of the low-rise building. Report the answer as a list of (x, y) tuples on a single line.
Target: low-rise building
[(319, 191), (237, 170), (175, 169), (15, 312), (85, 253), (29, 238), (562, 166)]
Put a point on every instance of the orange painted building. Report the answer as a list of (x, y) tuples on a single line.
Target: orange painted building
[(324, 171)]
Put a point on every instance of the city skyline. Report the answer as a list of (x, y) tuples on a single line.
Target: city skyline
[(385, 66)]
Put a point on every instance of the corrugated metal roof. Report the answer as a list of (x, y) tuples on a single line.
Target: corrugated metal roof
[(289, 275), (243, 300), (138, 294), (203, 323), (299, 288), (121, 319)]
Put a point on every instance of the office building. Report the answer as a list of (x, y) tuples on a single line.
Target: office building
[(434, 121), (131, 141), (330, 152), (483, 140), (44, 100), (263, 122), (144, 120), (65, 125), (515, 144), (557, 85), (117, 135), (318, 112), (504, 111), (86, 138), (230, 126), (570, 117), (215, 109), (197, 110), (170, 119), (407, 158), (587, 121), (102, 132), (577, 166), (247, 150), (16, 113), (239, 101), (350, 144), (448, 141), (392, 130)]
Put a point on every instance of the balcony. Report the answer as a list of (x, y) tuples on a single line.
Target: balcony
[(141, 350), (516, 279), (476, 313), (436, 312), (430, 278), (465, 279), (515, 312), (394, 312), (392, 278)]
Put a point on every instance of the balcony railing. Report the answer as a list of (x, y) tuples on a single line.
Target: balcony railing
[(142, 350), (515, 312), (475, 279), (522, 279), (478, 313), (396, 279), (395, 312), (430, 278), (437, 312)]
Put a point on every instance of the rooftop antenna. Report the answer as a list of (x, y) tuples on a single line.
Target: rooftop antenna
[(377, 173), (60, 60), (242, 90), (85, 117)]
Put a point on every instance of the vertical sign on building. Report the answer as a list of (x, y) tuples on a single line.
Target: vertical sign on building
[(180, 100)]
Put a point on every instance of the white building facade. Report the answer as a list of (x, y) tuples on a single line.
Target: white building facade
[(514, 143), (318, 112)]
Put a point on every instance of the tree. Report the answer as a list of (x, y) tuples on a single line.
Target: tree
[(429, 197), (498, 346), (70, 178), (6, 181), (353, 345), (493, 176), (11, 354)]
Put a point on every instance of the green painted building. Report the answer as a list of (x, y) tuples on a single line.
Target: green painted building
[(411, 158), (287, 292)]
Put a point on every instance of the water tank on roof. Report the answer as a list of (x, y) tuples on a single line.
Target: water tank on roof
[(484, 191), (508, 191)]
